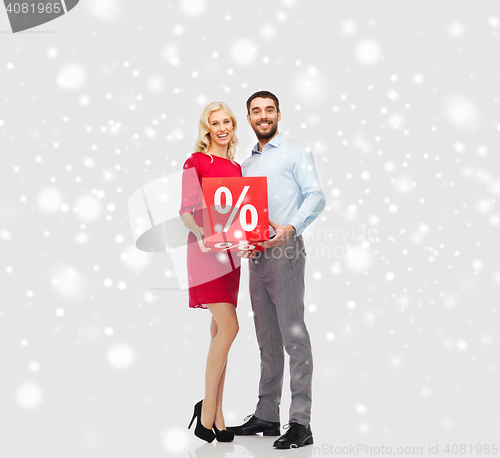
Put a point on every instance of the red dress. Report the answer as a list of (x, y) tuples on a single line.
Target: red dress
[(212, 277)]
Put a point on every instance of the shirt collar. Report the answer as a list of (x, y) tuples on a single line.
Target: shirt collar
[(275, 141)]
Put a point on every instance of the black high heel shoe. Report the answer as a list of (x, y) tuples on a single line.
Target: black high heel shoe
[(200, 431), (223, 435)]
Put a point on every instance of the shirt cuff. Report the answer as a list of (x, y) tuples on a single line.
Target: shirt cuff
[(298, 225)]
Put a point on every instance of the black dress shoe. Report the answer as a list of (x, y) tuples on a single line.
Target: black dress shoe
[(200, 431), (296, 436), (223, 435), (256, 425)]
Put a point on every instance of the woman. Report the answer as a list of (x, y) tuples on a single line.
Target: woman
[(213, 278)]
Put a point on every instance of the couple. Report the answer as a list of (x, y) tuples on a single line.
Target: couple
[(276, 282)]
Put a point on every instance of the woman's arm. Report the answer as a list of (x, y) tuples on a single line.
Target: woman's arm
[(190, 191)]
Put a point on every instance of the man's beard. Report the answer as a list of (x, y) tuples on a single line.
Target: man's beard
[(266, 136)]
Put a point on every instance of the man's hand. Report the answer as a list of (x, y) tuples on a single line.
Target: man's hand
[(282, 233), (250, 254)]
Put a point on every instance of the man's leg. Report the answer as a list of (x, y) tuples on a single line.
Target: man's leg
[(284, 281), (270, 343)]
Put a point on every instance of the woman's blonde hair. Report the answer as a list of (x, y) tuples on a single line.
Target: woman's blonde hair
[(204, 142)]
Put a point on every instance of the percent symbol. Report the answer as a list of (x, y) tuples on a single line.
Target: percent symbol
[(254, 216), (228, 246)]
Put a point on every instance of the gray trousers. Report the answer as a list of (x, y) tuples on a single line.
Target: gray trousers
[(277, 295)]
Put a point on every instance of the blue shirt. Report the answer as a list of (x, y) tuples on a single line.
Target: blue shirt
[(294, 192)]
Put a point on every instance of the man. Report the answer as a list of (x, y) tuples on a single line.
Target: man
[(277, 274)]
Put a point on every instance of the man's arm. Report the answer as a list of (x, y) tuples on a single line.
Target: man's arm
[(305, 174), (307, 179)]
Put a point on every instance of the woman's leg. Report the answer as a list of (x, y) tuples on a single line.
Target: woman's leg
[(223, 330), (219, 416)]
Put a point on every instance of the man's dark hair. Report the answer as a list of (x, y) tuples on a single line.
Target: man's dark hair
[(263, 95)]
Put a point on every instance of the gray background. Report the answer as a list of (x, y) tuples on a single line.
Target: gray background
[(399, 102)]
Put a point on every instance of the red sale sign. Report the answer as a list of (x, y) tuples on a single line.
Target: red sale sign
[(235, 214)]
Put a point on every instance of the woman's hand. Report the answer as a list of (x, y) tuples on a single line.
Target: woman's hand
[(190, 223), (199, 235)]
